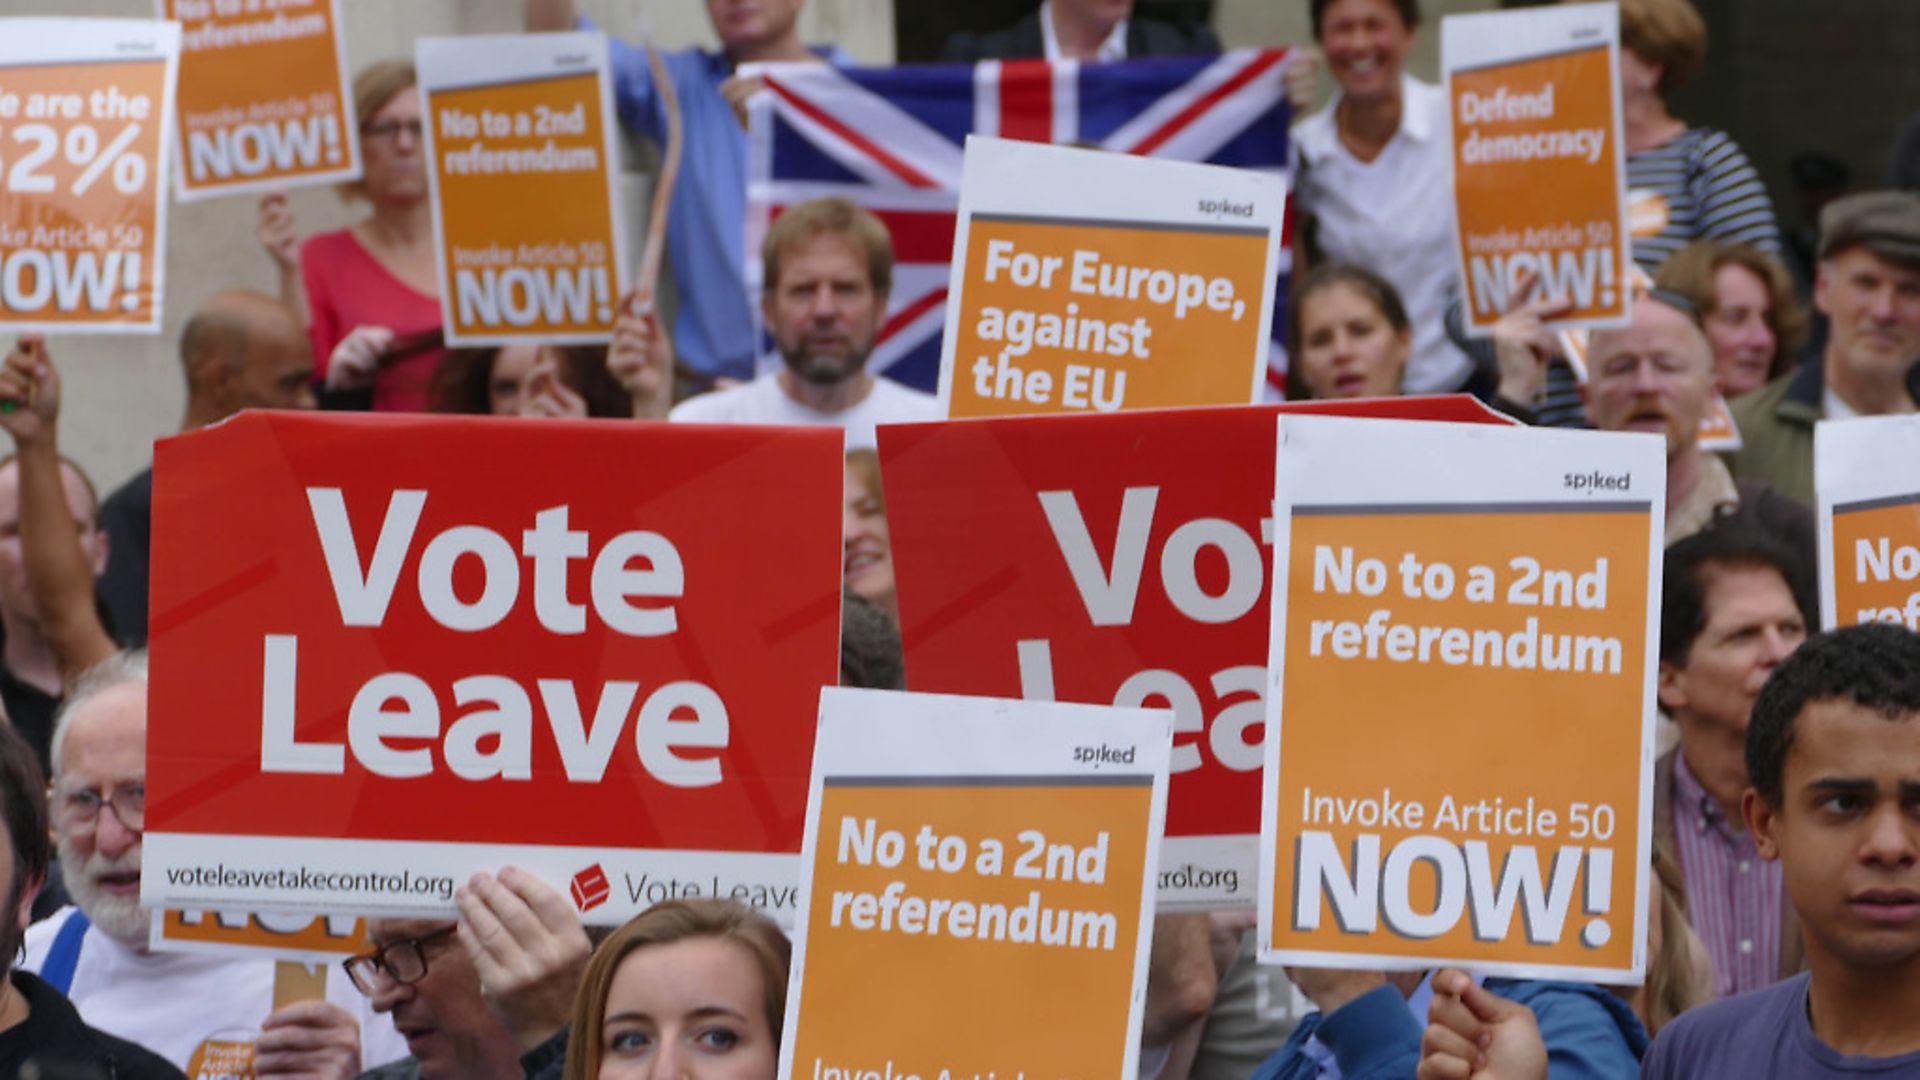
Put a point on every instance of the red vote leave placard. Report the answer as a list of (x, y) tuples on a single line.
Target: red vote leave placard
[(1114, 559), (388, 652)]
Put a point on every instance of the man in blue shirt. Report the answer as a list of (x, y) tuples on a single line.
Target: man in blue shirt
[(706, 227)]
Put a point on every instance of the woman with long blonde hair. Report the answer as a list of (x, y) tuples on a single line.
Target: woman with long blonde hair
[(686, 988)]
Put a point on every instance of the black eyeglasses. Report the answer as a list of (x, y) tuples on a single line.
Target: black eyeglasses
[(391, 129), (403, 961), (79, 810)]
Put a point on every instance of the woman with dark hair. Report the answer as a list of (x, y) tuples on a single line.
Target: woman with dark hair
[(685, 981), (370, 293), (529, 380), (1350, 334), (631, 377), (1350, 337)]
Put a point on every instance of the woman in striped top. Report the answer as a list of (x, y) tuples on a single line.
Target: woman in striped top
[(1683, 183)]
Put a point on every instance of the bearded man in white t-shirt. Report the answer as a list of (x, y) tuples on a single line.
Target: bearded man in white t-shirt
[(829, 270), (181, 1006)]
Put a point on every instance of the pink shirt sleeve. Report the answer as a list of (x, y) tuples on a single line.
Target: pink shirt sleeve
[(319, 264)]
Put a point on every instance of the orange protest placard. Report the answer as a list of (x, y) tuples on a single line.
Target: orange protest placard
[(1503, 823), (1876, 553), (1869, 494), (279, 935), (84, 111), (1539, 173), (959, 846), (263, 99), (1155, 292), (521, 162), (1718, 431)]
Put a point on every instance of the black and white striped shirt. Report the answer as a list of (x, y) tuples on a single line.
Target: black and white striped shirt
[(1699, 184)]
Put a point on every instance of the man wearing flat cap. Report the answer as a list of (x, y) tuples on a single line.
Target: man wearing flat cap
[(1868, 287)]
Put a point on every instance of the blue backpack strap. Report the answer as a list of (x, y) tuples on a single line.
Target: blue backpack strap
[(64, 956)]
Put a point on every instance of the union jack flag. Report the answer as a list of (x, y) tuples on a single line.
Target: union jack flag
[(890, 139)]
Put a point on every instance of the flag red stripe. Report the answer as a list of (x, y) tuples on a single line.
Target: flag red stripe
[(920, 236), (911, 312), (1026, 100), (866, 146), (1194, 111)]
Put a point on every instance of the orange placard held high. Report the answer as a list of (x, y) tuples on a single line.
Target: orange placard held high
[(521, 146), (264, 99), (1460, 709), (1539, 166), (1092, 282), (85, 106)]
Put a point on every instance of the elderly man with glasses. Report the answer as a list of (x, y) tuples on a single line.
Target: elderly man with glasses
[(487, 997), (95, 951)]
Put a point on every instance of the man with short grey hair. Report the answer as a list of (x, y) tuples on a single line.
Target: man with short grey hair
[(1868, 287), (95, 951)]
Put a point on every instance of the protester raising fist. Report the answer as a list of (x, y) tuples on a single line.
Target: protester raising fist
[(1475, 1034), (1523, 343), (56, 564)]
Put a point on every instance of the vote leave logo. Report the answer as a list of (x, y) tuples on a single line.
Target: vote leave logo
[(591, 888)]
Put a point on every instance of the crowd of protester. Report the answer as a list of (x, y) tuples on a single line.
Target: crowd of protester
[(1785, 899)]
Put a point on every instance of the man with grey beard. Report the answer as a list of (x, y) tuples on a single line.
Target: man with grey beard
[(829, 271), (95, 951)]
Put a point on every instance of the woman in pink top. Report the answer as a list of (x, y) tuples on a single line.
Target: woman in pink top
[(370, 293)]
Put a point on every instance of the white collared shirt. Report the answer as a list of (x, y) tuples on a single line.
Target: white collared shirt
[(1114, 47), (1394, 216), (1835, 407)]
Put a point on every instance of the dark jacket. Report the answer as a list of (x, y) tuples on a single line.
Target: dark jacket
[(53, 1042), (544, 1062), (1024, 41)]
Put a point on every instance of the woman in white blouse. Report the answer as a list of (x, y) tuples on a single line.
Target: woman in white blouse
[(1372, 171)]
